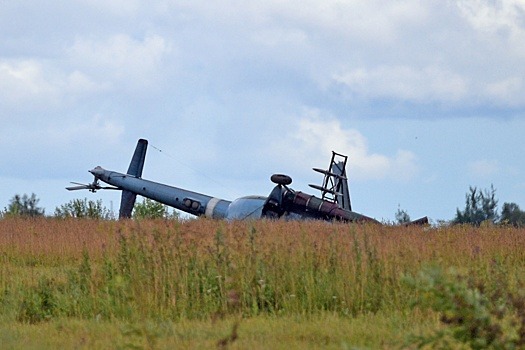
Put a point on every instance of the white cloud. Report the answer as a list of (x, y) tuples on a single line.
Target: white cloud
[(121, 59), (461, 52), (65, 132), (356, 18), (28, 85), (495, 15), (426, 85), (49, 147), (78, 82), (507, 91), (23, 82), (98, 128), (315, 138), (121, 8), (483, 168)]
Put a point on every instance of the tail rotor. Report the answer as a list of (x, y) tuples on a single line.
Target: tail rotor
[(92, 187)]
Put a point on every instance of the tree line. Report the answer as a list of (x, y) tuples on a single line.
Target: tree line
[(27, 206), (481, 206)]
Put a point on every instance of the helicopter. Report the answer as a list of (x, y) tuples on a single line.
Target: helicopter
[(282, 202)]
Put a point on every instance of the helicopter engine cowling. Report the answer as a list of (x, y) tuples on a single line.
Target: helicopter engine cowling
[(310, 206)]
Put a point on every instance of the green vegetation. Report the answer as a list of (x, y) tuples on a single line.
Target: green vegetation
[(480, 206), (402, 216), (477, 314), (204, 283), (150, 209), (24, 205), (373, 331), (78, 208), (512, 215)]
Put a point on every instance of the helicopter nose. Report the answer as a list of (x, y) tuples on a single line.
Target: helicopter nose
[(97, 172)]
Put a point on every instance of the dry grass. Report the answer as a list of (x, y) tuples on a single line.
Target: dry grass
[(214, 270), (252, 267), (56, 239)]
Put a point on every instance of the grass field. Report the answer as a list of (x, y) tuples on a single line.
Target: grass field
[(213, 284)]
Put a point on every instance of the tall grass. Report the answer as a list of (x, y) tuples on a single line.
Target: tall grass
[(204, 269)]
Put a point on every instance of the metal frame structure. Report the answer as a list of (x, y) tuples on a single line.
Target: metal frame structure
[(335, 183)]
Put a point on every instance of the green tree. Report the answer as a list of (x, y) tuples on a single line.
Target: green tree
[(150, 209), (479, 206), (402, 216), (512, 215), (24, 206), (82, 208)]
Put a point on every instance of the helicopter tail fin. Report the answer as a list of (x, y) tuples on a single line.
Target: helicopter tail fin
[(137, 162), (127, 200)]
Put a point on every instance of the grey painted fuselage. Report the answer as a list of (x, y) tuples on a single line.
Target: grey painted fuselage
[(188, 201)]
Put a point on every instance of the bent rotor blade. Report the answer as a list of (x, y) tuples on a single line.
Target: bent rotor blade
[(81, 187), (323, 189), (78, 183)]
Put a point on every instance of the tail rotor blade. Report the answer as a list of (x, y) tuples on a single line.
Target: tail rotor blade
[(93, 187), (80, 187), (78, 183)]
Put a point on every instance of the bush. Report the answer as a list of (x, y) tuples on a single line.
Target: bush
[(512, 215), (24, 206), (473, 313), (150, 209), (78, 208), (39, 302)]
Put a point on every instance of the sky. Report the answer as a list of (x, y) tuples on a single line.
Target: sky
[(427, 98)]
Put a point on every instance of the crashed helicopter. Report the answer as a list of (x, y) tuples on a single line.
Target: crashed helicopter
[(282, 202)]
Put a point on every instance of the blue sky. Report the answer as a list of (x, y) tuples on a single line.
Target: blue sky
[(426, 98)]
